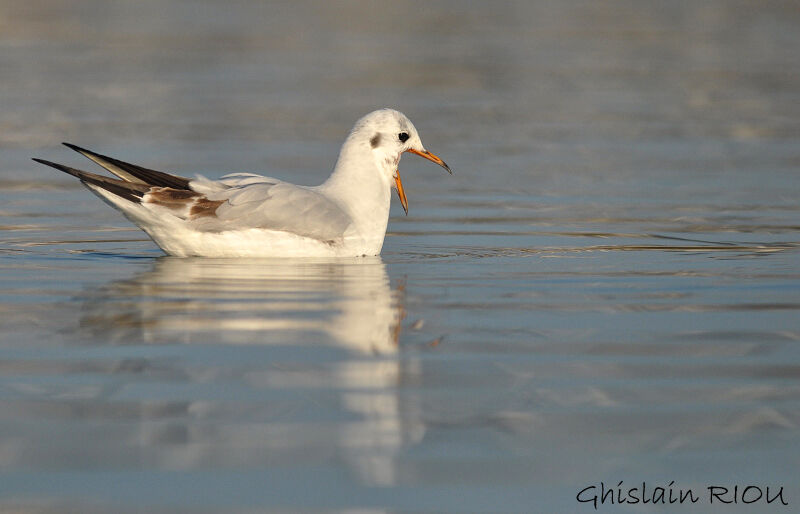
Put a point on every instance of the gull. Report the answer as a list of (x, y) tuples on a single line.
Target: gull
[(249, 215)]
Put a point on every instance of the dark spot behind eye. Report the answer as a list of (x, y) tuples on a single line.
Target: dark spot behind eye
[(375, 141), (403, 136)]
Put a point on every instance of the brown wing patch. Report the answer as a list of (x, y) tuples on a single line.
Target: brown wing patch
[(171, 198), (191, 203), (205, 207)]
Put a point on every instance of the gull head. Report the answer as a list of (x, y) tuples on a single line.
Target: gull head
[(387, 134)]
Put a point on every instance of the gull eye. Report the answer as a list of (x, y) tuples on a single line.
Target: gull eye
[(403, 137)]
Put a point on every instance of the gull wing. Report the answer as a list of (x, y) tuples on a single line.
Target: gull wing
[(236, 202), (253, 201)]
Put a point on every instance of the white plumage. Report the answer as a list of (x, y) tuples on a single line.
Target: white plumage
[(249, 215)]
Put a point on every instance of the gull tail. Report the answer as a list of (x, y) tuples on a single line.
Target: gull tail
[(131, 172)]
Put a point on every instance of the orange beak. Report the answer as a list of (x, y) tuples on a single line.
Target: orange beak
[(400, 192), (427, 155)]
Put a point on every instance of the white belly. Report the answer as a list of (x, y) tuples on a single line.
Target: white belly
[(257, 243)]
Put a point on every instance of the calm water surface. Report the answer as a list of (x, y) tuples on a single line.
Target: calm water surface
[(607, 289)]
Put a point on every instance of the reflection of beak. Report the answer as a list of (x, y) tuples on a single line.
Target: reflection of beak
[(427, 155), (400, 192)]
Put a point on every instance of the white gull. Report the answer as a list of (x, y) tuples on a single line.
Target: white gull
[(249, 215)]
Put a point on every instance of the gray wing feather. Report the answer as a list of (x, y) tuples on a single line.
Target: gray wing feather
[(254, 201)]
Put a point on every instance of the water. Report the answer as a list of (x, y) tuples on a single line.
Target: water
[(606, 289)]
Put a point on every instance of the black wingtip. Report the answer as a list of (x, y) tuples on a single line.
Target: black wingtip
[(48, 163), (59, 167), (127, 190), (75, 147), (144, 175)]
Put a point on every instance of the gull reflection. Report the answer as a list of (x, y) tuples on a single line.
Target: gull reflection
[(291, 315), (349, 302)]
